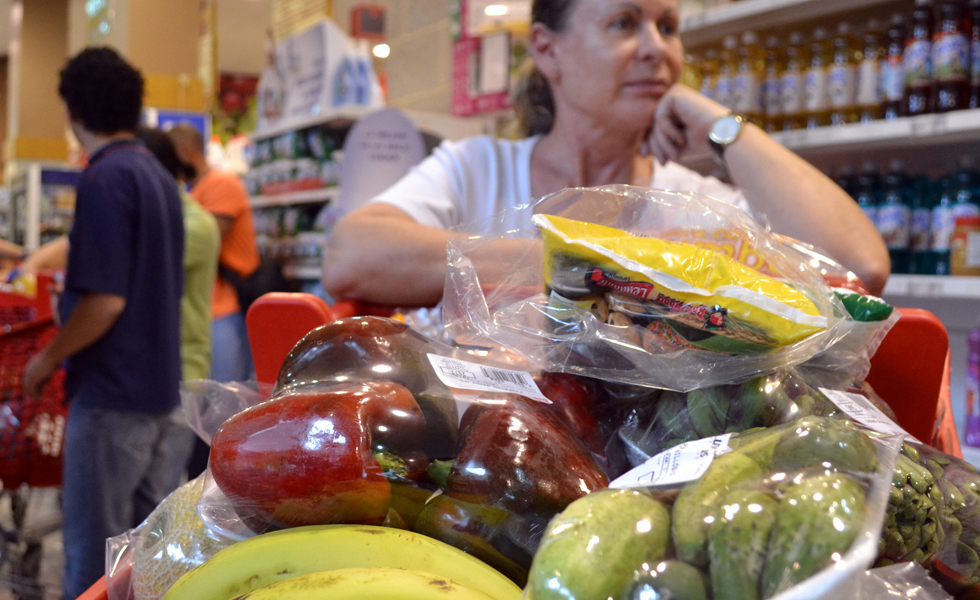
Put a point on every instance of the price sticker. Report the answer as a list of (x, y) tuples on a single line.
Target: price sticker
[(472, 376), (682, 463), (864, 412)]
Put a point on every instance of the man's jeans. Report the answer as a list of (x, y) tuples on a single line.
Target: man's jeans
[(118, 465), (231, 356)]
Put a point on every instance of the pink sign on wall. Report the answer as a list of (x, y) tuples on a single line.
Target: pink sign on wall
[(481, 67)]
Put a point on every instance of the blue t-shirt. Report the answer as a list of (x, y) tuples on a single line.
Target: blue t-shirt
[(127, 239)]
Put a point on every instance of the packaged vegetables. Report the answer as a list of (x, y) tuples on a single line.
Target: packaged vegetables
[(680, 432), (662, 289)]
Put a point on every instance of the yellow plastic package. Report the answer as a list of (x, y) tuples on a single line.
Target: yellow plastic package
[(684, 295)]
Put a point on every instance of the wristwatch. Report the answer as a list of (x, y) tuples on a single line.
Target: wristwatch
[(724, 131)]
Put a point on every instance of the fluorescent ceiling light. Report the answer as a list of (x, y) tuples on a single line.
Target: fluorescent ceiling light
[(381, 51), (495, 10)]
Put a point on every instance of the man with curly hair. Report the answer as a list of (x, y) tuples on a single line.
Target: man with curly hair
[(124, 449)]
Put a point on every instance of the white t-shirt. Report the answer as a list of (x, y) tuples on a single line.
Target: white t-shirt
[(481, 176)]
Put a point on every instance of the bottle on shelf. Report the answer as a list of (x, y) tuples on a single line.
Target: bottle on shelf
[(867, 191), (975, 54), (842, 77), (727, 64), (791, 82), (815, 96), (967, 182), (973, 388), (868, 97), (917, 61), (942, 228), (895, 215), (747, 83), (951, 57), (772, 103), (709, 72), (847, 180), (892, 73), (920, 239)]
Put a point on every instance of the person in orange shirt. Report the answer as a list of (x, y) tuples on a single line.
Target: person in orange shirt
[(224, 196)]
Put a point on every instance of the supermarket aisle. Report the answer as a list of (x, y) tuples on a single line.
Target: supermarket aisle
[(45, 514)]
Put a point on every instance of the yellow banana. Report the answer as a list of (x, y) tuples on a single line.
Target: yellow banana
[(373, 583), (265, 559)]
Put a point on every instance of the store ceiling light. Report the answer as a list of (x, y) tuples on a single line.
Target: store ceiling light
[(381, 51), (495, 10)]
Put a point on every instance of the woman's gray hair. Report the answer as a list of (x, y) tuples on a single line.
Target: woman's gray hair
[(533, 101)]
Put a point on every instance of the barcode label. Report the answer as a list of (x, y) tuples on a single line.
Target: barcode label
[(471, 376), (498, 375), (682, 463), (864, 412)]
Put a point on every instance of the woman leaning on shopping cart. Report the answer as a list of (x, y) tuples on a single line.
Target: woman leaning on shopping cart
[(602, 106)]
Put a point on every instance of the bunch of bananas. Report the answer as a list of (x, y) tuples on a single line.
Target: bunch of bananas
[(340, 562)]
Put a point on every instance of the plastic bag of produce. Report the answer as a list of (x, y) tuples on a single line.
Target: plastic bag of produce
[(907, 580), (372, 423), (665, 289), (143, 563), (769, 400), (793, 511), (933, 518)]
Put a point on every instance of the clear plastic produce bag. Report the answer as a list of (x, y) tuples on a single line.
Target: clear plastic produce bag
[(143, 563), (793, 511), (373, 423), (666, 289)]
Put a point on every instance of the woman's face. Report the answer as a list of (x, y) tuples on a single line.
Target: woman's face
[(616, 59)]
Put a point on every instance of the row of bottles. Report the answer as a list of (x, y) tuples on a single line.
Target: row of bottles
[(925, 62), (915, 215)]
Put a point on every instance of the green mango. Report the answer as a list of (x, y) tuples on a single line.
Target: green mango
[(814, 441), (673, 418), (708, 410), (737, 541), (759, 402), (599, 545), (670, 580), (817, 519), (700, 499)]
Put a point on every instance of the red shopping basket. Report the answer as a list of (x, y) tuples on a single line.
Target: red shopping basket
[(32, 431)]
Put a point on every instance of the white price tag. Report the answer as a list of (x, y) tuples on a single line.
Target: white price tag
[(864, 412), (682, 463), (472, 376)]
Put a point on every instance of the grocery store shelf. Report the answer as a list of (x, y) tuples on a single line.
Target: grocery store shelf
[(714, 23), (341, 114), (922, 130), (291, 198), (932, 286), (292, 272), (947, 136)]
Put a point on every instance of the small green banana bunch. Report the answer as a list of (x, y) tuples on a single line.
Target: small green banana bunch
[(912, 531)]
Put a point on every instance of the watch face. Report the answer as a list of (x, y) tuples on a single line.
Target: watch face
[(726, 129)]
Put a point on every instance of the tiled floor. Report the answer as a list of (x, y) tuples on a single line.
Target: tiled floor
[(43, 515)]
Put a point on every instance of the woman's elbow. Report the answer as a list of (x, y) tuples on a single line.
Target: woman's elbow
[(874, 271)]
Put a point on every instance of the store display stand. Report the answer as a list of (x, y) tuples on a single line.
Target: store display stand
[(443, 127)]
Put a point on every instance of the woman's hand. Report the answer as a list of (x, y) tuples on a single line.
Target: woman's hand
[(681, 124)]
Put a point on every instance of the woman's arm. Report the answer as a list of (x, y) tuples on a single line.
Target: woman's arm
[(10, 251), (53, 255), (380, 254), (799, 200)]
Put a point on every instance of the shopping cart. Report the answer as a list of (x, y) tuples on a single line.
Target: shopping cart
[(919, 396), (31, 438)]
